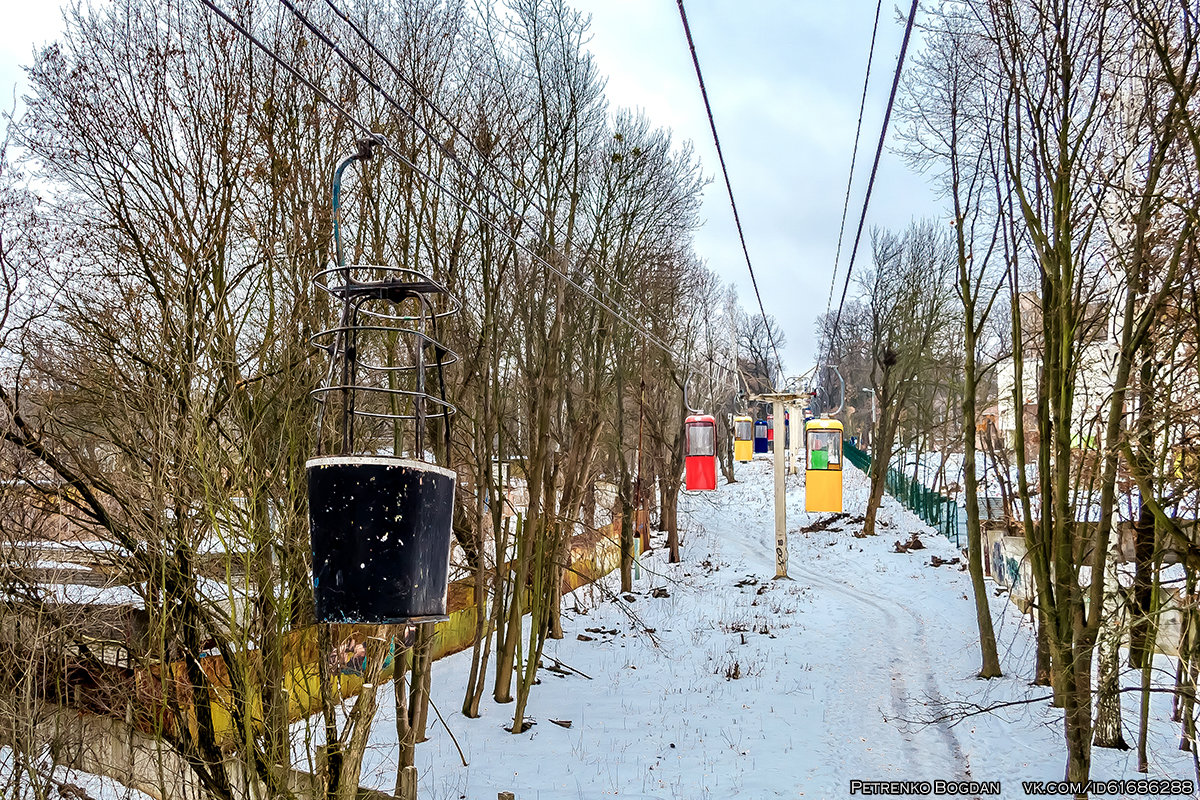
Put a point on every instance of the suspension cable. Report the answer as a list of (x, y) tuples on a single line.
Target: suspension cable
[(862, 104), (729, 186), (912, 14), (445, 118), (609, 306)]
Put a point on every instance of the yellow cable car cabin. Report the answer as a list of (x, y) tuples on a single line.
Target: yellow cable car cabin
[(823, 466), (743, 438)]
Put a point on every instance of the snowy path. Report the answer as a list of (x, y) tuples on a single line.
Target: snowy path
[(756, 688), (893, 669), (875, 668)]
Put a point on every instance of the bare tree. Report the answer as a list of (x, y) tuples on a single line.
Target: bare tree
[(950, 131), (908, 314)]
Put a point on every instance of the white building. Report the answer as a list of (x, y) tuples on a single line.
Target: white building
[(1093, 387)]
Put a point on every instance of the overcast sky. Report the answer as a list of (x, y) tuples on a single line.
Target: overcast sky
[(784, 78)]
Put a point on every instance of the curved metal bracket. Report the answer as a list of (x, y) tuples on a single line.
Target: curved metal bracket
[(686, 403), (398, 302), (365, 146), (842, 400)]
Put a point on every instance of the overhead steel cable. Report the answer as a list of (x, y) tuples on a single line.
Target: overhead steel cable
[(445, 118), (728, 186), (862, 104), (403, 159), (912, 14)]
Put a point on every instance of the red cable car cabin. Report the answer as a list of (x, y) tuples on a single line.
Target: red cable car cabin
[(700, 439)]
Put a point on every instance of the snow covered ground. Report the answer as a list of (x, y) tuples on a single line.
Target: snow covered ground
[(750, 687), (92, 786), (754, 688)]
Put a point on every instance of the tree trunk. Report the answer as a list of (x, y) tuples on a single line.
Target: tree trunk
[(330, 755), (422, 681), (506, 653), (1147, 668), (881, 452), (1078, 715), (1043, 675), (1143, 579), (878, 475), (670, 521), (362, 715), (1140, 650), (483, 491), (1185, 695), (1108, 731), (725, 452), (624, 493), (990, 659), (404, 738)]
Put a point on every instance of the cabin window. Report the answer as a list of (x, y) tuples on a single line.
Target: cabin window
[(824, 449), (701, 439)]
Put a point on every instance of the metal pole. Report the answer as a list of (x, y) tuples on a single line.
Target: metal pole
[(842, 383), (781, 544), (424, 309), (344, 342)]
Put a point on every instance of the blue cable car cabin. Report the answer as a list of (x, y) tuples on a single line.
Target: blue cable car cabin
[(760, 436)]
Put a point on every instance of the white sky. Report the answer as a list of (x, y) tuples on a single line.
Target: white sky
[(784, 78)]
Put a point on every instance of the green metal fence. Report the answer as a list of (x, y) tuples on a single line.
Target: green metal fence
[(937, 510), (856, 457)]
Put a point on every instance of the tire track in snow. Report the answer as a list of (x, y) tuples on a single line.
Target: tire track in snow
[(900, 631)]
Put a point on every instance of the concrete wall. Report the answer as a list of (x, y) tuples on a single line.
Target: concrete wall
[(110, 747), (1005, 561)]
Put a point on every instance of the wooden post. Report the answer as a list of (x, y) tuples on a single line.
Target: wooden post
[(781, 545)]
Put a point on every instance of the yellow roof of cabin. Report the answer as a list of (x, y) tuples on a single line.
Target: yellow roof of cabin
[(823, 425)]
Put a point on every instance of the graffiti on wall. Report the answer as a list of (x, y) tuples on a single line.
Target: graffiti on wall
[(1005, 568)]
